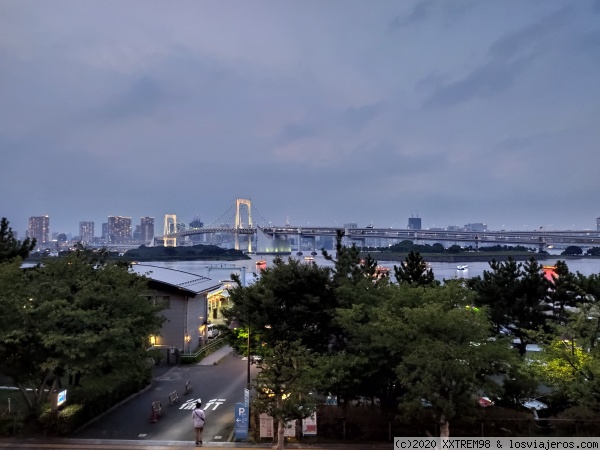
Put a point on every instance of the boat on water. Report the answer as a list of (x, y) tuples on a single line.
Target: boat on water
[(309, 258), (261, 264), (462, 267), (381, 272)]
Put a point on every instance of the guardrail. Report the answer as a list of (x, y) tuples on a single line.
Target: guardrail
[(204, 351)]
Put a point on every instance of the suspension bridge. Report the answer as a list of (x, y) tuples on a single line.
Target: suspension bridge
[(278, 239)]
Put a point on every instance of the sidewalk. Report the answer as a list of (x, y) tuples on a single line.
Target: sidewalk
[(217, 356), (210, 360)]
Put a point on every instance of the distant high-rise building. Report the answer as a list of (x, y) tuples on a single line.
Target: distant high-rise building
[(414, 223), (147, 229), (598, 223), (137, 233), (39, 228), (119, 229), (105, 232), (476, 227), (86, 232), (196, 223)]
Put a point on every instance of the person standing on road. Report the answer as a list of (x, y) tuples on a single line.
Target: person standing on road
[(198, 417)]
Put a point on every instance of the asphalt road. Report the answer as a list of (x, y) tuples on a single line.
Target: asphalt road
[(218, 386)]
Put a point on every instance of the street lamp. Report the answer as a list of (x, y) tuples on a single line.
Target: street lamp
[(233, 325)]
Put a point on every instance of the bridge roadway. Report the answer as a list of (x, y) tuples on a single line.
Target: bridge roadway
[(541, 237), (586, 237)]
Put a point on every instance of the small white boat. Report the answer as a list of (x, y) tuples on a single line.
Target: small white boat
[(462, 267)]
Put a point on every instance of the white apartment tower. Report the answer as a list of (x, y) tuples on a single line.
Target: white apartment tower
[(39, 229), (86, 232)]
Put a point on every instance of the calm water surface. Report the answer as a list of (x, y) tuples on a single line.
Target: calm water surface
[(441, 270)]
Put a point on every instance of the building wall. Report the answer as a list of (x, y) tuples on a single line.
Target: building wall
[(196, 320), (147, 229), (414, 223), (119, 229), (86, 232), (185, 317), (39, 228)]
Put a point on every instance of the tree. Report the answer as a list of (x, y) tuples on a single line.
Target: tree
[(285, 383), (455, 249), (11, 247), (572, 250), (594, 251), (526, 312), (362, 364), (497, 289), (347, 262), (514, 294), (290, 301), (564, 292), (447, 356), (414, 271), (80, 315)]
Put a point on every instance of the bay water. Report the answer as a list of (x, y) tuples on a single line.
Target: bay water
[(222, 270)]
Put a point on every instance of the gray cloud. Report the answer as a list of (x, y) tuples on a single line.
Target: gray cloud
[(418, 13), (458, 111), (506, 59)]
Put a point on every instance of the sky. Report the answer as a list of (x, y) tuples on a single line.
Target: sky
[(320, 113)]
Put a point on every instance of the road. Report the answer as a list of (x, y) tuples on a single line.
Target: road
[(128, 426), (219, 387)]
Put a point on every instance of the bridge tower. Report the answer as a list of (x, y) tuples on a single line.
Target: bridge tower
[(238, 221), (170, 228)]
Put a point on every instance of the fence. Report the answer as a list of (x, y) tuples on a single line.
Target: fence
[(188, 358)]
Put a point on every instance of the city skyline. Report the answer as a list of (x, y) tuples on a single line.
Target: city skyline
[(320, 113), (148, 226)]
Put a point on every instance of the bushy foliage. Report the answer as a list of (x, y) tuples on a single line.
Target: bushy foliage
[(80, 315)]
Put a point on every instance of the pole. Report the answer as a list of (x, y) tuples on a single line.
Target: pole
[(248, 344)]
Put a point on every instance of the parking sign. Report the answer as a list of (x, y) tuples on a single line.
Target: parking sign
[(241, 421)]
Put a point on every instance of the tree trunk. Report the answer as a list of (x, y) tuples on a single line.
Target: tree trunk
[(23, 391), (280, 438), (444, 429)]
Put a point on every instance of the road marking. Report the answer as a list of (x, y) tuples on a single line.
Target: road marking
[(211, 405), (142, 435), (217, 437), (215, 402)]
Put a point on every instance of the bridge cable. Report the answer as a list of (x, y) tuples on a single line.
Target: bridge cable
[(219, 219), (266, 222)]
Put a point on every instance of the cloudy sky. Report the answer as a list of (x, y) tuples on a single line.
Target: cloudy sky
[(319, 112)]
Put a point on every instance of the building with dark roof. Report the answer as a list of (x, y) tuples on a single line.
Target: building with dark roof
[(185, 299)]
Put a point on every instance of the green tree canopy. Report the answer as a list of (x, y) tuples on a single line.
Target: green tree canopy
[(290, 301), (414, 271), (79, 315), (572, 250), (286, 384), (447, 357), (514, 294), (9, 246)]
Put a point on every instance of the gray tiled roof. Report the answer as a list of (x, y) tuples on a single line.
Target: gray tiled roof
[(194, 284)]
